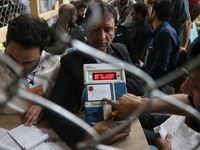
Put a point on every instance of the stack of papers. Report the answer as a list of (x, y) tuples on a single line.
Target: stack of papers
[(24, 137), (27, 137)]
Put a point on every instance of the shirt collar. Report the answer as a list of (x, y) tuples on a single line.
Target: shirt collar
[(165, 23), (109, 52), (42, 64)]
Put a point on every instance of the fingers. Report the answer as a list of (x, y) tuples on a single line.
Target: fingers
[(168, 137), (32, 116), (120, 136), (111, 102), (108, 120), (115, 138)]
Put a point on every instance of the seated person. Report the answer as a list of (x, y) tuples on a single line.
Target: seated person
[(26, 38), (64, 30), (69, 86), (128, 103)]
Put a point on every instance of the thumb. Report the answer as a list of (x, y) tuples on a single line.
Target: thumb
[(168, 137)]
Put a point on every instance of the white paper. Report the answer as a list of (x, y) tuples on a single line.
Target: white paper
[(5, 139), (185, 138), (54, 142), (99, 92), (182, 137), (28, 137), (169, 126)]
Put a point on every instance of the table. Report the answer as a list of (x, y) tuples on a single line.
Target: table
[(135, 141)]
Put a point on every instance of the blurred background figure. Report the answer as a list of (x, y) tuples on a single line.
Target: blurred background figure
[(80, 7), (124, 10), (64, 29), (140, 32)]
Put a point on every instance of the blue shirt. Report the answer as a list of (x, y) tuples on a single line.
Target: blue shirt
[(163, 51)]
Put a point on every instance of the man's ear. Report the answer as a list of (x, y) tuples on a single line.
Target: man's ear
[(115, 29)]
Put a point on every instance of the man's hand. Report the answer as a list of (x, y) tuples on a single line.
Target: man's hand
[(33, 115), (102, 127), (126, 104), (164, 144)]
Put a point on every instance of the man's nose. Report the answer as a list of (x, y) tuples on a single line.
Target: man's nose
[(102, 34)]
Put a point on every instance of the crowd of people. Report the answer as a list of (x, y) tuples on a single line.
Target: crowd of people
[(153, 35)]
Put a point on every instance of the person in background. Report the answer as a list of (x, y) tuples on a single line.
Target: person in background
[(26, 38), (161, 57), (81, 7), (64, 30), (124, 9), (140, 32), (194, 9), (128, 103), (163, 50), (180, 21), (122, 35), (69, 86)]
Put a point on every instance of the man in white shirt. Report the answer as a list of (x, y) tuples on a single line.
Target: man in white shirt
[(26, 38)]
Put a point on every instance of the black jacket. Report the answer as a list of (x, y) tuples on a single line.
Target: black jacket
[(68, 89)]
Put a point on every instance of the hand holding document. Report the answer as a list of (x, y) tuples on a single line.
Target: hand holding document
[(182, 137)]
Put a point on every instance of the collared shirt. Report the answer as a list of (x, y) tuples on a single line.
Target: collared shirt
[(60, 40), (45, 74), (163, 51)]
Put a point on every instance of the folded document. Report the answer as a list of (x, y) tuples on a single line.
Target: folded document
[(27, 137)]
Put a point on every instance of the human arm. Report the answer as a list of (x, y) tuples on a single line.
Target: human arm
[(33, 115), (103, 127), (129, 103), (186, 35)]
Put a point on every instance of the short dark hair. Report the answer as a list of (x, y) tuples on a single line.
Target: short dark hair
[(163, 8), (104, 9), (28, 31), (78, 5), (141, 8)]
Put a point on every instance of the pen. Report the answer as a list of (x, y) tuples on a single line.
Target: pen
[(115, 112)]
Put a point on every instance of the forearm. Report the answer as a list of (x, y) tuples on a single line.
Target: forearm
[(159, 105), (186, 33)]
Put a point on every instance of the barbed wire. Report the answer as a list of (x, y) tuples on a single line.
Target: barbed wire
[(13, 88)]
